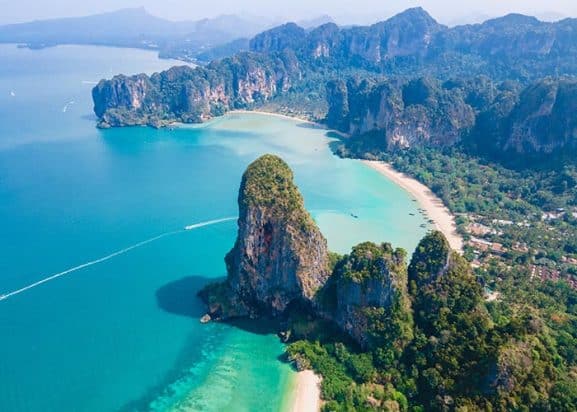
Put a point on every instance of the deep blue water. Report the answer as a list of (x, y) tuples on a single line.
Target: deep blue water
[(124, 334)]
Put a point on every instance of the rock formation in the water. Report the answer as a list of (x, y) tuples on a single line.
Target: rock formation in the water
[(280, 265), (190, 95), (280, 257)]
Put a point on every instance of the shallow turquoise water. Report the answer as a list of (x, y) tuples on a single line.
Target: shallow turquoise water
[(124, 334)]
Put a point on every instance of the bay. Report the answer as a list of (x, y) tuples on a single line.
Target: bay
[(123, 333)]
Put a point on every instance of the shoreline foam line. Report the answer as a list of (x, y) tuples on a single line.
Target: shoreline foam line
[(110, 256)]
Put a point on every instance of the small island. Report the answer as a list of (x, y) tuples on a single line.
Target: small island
[(383, 335)]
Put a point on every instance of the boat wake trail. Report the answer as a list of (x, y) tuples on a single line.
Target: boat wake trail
[(112, 255), (209, 223)]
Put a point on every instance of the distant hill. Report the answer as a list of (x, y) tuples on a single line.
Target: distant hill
[(413, 43), (471, 80), (315, 21), (134, 28), (198, 41)]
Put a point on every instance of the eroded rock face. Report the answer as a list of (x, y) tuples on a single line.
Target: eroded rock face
[(371, 291), (280, 257), (193, 95), (496, 119), (420, 112), (544, 119), (121, 92)]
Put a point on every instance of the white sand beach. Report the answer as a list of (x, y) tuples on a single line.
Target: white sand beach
[(308, 393), (434, 207)]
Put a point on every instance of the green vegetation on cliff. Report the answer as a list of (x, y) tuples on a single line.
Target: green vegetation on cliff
[(387, 336), (502, 121), (463, 354), (451, 350), (372, 303), (268, 182), (280, 258), (366, 262)]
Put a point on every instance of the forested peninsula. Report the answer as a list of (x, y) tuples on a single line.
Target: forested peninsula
[(384, 335)]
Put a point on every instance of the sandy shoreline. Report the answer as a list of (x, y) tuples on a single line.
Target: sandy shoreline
[(293, 118), (279, 115), (434, 207), (308, 393)]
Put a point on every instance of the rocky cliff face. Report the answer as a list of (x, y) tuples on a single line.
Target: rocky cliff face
[(497, 119), (407, 34), (193, 95), (120, 92), (371, 289), (291, 66), (280, 257), (415, 113), (544, 119), (279, 265), (412, 43)]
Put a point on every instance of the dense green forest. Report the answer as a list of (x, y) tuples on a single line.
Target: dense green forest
[(458, 352)]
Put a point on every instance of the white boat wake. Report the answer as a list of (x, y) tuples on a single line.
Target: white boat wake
[(112, 255), (67, 105), (208, 223)]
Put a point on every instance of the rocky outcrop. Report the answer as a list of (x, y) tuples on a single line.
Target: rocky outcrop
[(371, 290), (494, 119), (287, 36), (121, 92), (431, 260), (407, 34), (280, 257), (544, 119), (280, 266), (419, 112), (194, 95)]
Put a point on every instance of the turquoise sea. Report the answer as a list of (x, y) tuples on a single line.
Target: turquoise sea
[(122, 333)]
